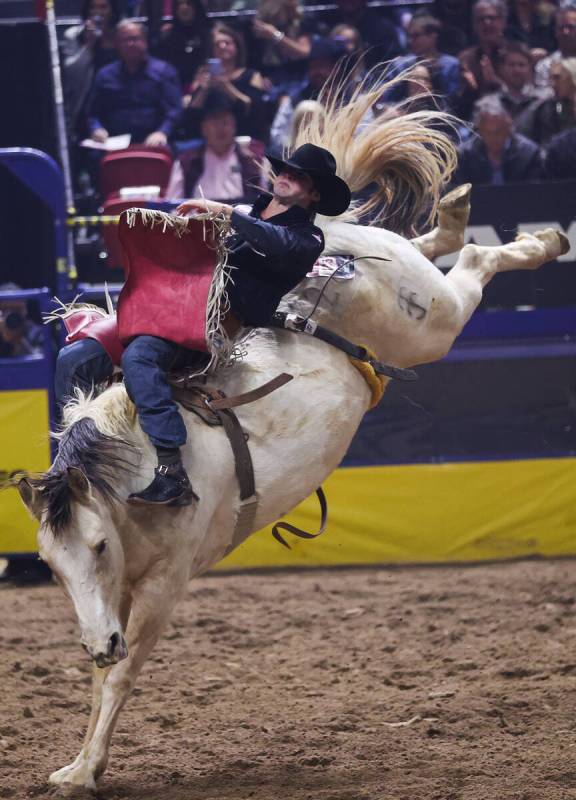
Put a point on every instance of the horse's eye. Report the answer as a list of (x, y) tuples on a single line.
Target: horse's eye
[(100, 547)]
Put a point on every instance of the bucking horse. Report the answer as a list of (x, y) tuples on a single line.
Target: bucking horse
[(125, 568)]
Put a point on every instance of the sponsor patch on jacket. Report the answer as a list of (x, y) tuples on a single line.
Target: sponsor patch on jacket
[(340, 267)]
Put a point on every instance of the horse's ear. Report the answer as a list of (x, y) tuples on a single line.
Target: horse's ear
[(31, 497), (78, 483)]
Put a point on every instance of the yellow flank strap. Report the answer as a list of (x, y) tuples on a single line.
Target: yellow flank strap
[(377, 383)]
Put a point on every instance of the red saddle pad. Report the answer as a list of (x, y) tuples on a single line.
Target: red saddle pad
[(168, 280)]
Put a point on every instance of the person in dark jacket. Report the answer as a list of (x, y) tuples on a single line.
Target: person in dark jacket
[(272, 248), (137, 94), (561, 157), (185, 42), (497, 154)]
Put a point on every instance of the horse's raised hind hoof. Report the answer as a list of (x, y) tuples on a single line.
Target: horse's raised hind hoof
[(556, 243), (457, 198), (453, 215)]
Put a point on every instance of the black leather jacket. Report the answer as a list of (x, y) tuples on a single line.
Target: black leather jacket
[(270, 258)]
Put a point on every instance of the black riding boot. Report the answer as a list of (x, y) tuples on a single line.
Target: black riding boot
[(171, 485)]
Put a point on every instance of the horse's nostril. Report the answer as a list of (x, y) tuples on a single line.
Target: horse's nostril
[(113, 643)]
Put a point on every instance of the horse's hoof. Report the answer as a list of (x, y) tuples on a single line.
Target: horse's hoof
[(556, 242), (69, 792), (564, 243), (76, 780), (457, 198)]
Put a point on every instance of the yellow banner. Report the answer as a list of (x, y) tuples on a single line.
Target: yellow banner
[(24, 445), (430, 513)]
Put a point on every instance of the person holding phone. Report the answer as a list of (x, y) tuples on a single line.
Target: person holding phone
[(226, 72)]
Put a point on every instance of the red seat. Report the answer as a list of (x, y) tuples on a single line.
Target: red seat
[(135, 166)]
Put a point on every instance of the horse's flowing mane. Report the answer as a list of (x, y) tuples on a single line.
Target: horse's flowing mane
[(407, 156), (82, 445)]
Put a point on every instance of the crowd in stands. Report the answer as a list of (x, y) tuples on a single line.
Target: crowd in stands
[(218, 93)]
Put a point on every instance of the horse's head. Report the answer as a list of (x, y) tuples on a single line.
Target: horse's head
[(78, 538)]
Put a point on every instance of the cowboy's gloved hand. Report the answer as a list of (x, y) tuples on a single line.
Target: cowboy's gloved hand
[(202, 206)]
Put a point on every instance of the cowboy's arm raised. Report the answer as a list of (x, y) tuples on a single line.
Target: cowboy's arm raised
[(279, 241), (264, 236)]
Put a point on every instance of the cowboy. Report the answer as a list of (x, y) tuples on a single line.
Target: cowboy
[(272, 248)]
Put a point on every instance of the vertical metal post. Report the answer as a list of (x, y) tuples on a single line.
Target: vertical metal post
[(70, 274)]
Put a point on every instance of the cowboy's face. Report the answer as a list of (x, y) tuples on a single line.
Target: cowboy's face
[(294, 188)]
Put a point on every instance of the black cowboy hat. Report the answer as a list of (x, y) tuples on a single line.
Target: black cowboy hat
[(320, 165)]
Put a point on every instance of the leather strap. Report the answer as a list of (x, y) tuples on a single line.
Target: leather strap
[(254, 394), (286, 526), (214, 408), (292, 322)]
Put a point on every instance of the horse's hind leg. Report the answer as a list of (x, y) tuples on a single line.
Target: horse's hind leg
[(448, 236), (475, 267)]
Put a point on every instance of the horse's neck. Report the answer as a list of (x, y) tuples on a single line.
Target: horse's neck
[(346, 306)]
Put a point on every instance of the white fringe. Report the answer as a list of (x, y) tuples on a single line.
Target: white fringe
[(66, 309)]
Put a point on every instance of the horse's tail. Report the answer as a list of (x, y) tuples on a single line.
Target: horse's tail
[(407, 156)]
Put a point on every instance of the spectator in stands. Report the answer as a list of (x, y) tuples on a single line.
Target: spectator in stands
[(185, 42), (282, 139), (349, 37), (565, 29), (19, 335), (532, 22), (557, 113), (518, 94), (378, 34), (561, 156), (324, 56), (480, 63), (227, 72), (137, 94), (282, 37), (456, 17), (86, 48), (497, 154), (219, 168), (423, 32)]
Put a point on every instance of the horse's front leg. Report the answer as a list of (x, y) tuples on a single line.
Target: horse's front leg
[(449, 234), (153, 602)]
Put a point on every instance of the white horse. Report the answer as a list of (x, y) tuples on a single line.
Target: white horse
[(124, 568)]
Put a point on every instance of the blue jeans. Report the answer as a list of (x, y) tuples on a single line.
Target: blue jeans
[(145, 363), (84, 364)]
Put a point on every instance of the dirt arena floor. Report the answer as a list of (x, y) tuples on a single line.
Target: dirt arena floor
[(385, 684)]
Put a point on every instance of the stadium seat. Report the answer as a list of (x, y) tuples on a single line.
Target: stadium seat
[(135, 166)]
